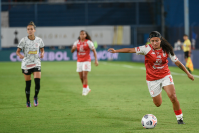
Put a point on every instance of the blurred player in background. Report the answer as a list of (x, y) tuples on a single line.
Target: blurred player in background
[(31, 63), (186, 48), (157, 72), (177, 45), (83, 45)]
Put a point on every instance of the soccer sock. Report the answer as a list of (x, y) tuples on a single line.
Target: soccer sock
[(179, 114), (27, 90), (37, 86), (85, 86)]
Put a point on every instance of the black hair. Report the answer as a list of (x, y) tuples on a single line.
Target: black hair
[(166, 46), (154, 34), (32, 23), (87, 35)]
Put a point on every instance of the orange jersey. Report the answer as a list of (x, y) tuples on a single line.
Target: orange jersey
[(83, 50), (156, 62)]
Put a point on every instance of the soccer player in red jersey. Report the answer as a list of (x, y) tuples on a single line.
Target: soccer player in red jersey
[(83, 45), (157, 72)]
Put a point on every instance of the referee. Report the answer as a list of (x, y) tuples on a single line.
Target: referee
[(186, 48)]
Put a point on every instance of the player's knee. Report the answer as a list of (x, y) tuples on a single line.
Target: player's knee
[(158, 104), (173, 98), (28, 86)]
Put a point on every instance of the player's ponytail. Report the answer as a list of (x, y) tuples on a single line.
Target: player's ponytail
[(87, 35), (166, 46), (32, 23)]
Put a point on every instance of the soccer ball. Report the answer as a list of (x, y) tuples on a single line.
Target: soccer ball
[(149, 121)]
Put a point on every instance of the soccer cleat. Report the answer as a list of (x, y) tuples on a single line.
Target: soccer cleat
[(180, 121), (35, 101), (85, 91), (28, 104)]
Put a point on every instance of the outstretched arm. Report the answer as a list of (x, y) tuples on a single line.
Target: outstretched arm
[(182, 67), (124, 50)]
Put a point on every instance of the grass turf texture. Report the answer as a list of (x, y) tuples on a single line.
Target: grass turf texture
[(116, 104)]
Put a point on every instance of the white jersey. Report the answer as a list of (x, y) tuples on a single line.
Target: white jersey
[(30, 49)]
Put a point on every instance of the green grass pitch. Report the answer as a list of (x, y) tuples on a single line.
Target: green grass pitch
[(118, 100)]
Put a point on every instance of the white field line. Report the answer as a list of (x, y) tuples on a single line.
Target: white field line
[(105, 63), (143, 68), (128, 66)]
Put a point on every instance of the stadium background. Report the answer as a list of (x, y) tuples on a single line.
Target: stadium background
[(118, 24), (119, 96)]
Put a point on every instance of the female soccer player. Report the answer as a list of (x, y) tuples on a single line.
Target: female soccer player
[(83, 45), (157, 72), (30, 45)]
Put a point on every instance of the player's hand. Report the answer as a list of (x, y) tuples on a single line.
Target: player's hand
[(41, 55), (74, 47), (190, 76), (21, 56), (96, 63), (111, 50)]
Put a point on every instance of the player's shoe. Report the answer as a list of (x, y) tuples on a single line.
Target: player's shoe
[(85, 91), (36, 101), (28, 104), (180, 121)]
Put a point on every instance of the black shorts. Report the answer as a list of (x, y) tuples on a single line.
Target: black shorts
[(30, 71), (186, 54)]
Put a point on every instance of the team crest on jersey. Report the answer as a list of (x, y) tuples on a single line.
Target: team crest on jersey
[(158, 61), (82, 49)]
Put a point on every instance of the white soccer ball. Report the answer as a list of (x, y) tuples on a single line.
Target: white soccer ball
[(149, 121)]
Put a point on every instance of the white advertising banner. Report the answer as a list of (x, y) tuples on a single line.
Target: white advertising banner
[(66, 36)]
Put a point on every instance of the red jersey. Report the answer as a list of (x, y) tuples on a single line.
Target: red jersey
[(83, 50), (156, 62)]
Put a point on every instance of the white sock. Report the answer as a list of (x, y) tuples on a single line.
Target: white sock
[(179, 117)]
